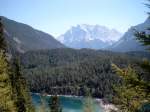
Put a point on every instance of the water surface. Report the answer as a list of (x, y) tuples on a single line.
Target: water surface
[(68, 104)]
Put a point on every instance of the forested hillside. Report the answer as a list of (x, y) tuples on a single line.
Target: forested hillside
[(22, 37), (69, 71), (14, 93)]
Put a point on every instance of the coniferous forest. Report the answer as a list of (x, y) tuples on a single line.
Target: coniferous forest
[(14, 93), (118, 78), (69, 71)]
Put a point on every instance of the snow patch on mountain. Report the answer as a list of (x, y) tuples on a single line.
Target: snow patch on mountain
[(89, 36), (17, 40)]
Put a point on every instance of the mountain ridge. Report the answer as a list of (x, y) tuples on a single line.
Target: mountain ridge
[(23, 37), (89, 36), (129, 42)]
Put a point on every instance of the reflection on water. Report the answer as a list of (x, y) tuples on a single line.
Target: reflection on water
[(69, 104)]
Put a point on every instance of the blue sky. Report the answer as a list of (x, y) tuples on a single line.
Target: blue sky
[(57, 16)]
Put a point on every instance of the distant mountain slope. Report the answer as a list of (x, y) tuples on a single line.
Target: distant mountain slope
[(128, 42), (22, 37), (89, 36)]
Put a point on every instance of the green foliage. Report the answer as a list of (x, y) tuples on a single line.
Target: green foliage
[(14, 95), (148, 6), (55, 104), (6, 99), (20, 90), (144, 36), (68, 71), (2, 39), (88, 102), (42, 107), (134, 91)]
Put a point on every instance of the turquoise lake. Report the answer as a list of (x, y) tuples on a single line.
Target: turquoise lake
[(68, 104)]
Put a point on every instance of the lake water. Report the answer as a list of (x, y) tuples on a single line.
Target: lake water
[(68, 104)]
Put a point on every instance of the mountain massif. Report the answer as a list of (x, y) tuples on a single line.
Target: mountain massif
[(22, 37), (89, 36), (100, 37)]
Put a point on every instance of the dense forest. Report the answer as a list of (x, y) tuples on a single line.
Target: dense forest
[(71, 72), (14, 93)]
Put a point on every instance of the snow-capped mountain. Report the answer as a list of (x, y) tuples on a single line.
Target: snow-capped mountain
[(129, 42), (89, 36)]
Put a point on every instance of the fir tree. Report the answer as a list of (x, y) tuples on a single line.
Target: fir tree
[(6, 99), (23, 99), (144, 36), (14, 95), (55, 104), (88, 102), (134, 91), (2, 39)]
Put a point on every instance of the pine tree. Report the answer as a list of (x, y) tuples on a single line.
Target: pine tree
[(20, 90), (6, 99), (133, 93), (6, 95), (14, 95), (2, 39), (55, 104), (144, 36), (88, 102), (148, 5), (43, 106)]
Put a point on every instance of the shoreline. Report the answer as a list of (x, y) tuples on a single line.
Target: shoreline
[(106, 107)]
